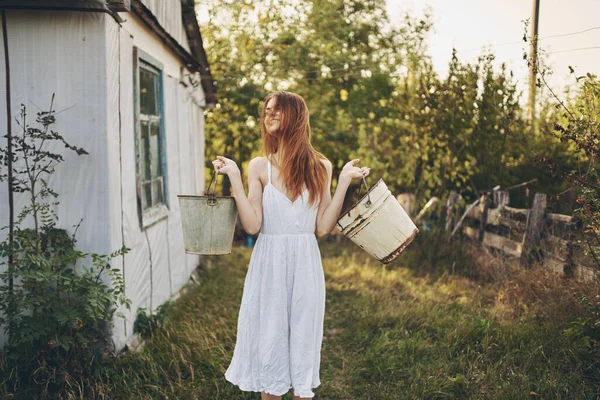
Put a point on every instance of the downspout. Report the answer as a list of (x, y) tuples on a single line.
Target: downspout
[(11, 204)]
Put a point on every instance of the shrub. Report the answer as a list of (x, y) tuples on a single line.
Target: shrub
[(56, 311)]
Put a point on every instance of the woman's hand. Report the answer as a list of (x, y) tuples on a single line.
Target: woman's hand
[(350, 172), (226, 166)]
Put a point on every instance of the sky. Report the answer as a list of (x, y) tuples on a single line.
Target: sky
[(470, 25)]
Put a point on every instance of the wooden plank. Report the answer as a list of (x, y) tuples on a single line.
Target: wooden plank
[(503, 244), (408, 202), (451, 207), (497, 217), (470, 232), (586, 274), (514, 212), (475, 213), (460, 209), (533, 232), (485, 202), (582, 255), (555, 246), (554, 264), (493, 216), (501, 198), (560, 218), (517, 226)]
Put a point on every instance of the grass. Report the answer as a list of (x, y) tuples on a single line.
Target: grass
[(454, 323)]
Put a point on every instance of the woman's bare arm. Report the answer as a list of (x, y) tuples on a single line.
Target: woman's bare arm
[(330, 208), (250, 207)]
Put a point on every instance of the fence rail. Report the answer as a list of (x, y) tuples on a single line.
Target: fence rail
[(524, 234)]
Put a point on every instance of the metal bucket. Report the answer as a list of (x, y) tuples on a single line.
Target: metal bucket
[(378, 224), (208, 222)]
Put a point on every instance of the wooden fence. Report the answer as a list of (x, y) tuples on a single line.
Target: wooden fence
[(524, 234)]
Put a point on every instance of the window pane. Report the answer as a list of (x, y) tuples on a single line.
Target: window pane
[(148, 92), (155, 149), (145, 151), (146, 195), (157, 191)]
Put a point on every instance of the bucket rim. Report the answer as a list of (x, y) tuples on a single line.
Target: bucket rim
[(195, 196), (346, 211)]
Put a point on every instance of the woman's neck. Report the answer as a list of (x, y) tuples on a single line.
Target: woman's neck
[(276, 156), (275, 159)]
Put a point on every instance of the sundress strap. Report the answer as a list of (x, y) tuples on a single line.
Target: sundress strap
[(269, 168)]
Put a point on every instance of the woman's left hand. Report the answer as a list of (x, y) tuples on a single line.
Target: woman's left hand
[(350, 172)]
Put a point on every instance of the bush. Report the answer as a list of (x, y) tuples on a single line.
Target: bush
[(57, 314), (146, 324)]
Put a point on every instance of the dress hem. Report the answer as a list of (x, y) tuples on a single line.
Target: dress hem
[(275, 389)]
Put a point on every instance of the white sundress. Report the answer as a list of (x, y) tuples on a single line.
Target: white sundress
[(280, 324)]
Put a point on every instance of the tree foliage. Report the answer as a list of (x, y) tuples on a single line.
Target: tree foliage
[(372, 92)]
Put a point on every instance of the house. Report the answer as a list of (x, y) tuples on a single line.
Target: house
[(131, 81)]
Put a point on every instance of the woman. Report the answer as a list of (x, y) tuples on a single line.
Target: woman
[(280, 325)]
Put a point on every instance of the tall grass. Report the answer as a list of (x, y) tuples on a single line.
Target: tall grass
[(444, 321)]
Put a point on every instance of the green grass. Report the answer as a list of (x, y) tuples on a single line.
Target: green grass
[(446, 325)]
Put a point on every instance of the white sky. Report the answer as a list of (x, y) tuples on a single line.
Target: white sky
[(470, 25)]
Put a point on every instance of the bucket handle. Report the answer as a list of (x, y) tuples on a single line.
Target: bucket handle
[(212, 200), (368, 203)]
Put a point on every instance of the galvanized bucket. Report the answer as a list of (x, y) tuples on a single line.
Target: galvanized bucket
[(208, 222), (378, 224)]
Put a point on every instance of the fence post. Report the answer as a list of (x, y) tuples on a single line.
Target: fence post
[(451, 209), (407, 201), (533, 229), (459, 212), (483, 221), (569, 267)]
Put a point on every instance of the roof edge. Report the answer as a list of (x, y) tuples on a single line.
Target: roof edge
[(196, 62), (194, 36)]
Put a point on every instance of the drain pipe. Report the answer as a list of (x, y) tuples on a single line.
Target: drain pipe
[(11, 204)]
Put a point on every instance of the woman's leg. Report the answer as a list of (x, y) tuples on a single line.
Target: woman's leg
[(302, 398), (267, 396)]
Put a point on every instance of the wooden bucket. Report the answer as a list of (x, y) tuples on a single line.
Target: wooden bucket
[(208, 222), (378, 224)]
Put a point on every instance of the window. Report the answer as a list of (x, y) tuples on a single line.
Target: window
[(150, 148)]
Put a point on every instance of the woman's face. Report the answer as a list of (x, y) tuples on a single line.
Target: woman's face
[(272, 116)]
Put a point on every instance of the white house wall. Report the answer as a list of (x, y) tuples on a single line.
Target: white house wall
[(87, 60), (156, 266), (57, 52), (145, 39)]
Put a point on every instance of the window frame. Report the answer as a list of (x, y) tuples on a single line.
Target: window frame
[(150, 215)]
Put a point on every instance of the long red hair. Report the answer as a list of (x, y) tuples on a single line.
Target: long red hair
[(300, 163)]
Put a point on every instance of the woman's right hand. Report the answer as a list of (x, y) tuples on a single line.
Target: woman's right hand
[(226, 166)]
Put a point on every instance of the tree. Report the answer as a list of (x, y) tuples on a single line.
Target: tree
[(371, 89)]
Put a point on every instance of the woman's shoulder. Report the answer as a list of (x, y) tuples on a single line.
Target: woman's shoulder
[(258, 162), (327, 164)]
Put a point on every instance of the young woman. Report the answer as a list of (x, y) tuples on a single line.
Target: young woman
[(280, 324)]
